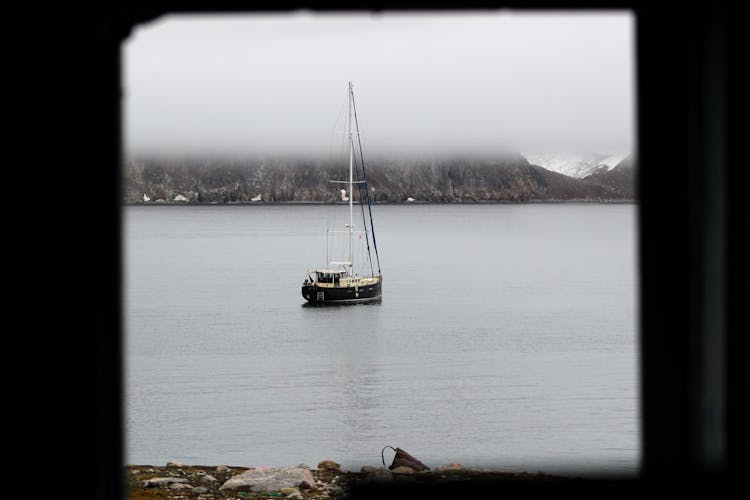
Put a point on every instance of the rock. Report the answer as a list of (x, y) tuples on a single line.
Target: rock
[(303, 466), (295, 496), (402, 470), (377, 473), (269, 479), (180, 198), (287, 491), (176, 464), (162, 481), (336, 490), (449, 468), (200, 490), (329, 465), (222, 468), (304, 485), (180, 486), (207, 478)]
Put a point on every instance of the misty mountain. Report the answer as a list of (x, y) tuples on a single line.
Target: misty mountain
[(509, 178)]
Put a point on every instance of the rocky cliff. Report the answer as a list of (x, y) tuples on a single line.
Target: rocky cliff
[(620, 181), (440, 180)]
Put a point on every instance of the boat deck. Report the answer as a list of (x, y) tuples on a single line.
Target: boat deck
[(351, 282)]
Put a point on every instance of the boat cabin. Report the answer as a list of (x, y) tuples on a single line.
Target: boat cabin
[(330, 276)]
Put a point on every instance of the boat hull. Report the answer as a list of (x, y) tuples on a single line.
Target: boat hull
[(314, 293)]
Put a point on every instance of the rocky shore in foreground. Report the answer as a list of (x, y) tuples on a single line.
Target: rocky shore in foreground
[(326, 481)]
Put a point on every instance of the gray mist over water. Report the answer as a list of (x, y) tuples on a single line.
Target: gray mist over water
[(434, 83), (506, 338)]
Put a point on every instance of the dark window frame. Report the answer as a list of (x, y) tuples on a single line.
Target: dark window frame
[(692, 353)]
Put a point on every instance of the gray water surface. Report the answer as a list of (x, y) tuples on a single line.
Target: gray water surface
[(506, 338)]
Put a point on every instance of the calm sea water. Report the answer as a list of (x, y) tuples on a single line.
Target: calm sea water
[(506, 338)]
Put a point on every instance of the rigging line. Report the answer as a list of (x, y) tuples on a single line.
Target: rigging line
[(362, 196), (364, 222), (339, 119), (332, 211), (367, 186)]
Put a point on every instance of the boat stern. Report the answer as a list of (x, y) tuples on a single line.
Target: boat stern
[(310, 292)]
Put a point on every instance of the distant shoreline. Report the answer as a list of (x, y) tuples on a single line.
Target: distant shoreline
[(480, 202)]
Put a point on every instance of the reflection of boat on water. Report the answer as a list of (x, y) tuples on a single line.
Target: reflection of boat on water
[(339, 281)]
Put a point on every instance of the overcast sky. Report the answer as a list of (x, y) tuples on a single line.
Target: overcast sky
[(533, 82)]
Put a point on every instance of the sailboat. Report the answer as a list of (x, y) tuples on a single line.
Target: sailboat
[(339, 281)]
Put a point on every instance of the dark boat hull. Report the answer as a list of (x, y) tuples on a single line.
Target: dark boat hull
[(319, 294)]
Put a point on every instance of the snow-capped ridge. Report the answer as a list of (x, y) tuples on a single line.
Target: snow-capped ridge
[(577, 165)]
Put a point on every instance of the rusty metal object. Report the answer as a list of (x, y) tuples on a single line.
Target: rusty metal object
[(403, 459)]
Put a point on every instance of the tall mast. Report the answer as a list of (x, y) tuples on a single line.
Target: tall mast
[(351, 185)]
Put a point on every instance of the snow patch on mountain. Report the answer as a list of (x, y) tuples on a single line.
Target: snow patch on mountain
[(575, 164)]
